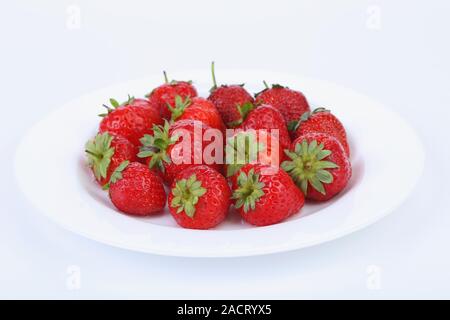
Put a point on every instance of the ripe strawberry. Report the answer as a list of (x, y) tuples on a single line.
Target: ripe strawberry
[(264, 199), (292, 104), (252, 146), (318, 165), (165, 94), (232, 101), (267, 117), (106, 152), (136, 190), (321, 120), (167, 151), (131, 119), (199, 198), (197, 109)]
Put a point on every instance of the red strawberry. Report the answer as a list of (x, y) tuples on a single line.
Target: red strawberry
[(136, 190), (319, 165), (166, 93), (106, 152), (292, 104), (199, 198), (321, 120), (265, 195), (267, 117), (252, 146), (197, 109), (165, 149), (232, 101), (131, 119)]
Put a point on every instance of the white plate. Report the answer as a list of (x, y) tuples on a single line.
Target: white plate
[(387, 160)]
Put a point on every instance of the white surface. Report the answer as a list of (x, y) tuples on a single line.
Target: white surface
[(403, 63), (82, 207)]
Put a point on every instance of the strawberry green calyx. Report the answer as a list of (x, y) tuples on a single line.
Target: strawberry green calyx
[(293, 125), (128, 101), (155, 146), (274, 86), (278, 86), (244, 110), (117, 174), (267, 87), (241, 149), (175, 82), (172, 82), (99, 153), (308, 167), (186, 194), (180, 105), (249, 190), (115, 104)]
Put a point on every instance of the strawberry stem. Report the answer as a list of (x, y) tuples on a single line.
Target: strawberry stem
[(265, 84), (214, 87), (166, 79)]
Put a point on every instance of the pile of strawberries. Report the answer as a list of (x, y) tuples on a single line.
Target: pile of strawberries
[(138, 150)]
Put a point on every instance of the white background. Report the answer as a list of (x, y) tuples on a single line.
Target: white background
[(397, 52)]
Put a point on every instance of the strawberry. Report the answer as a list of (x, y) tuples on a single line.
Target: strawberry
[(197, 109), (292, 104), (232, 101), (165, 94), (321, 120), (199, 198), (106, 152), (318, 165), (264, 199), (165, 149), (267, 117), (136, 190), (131, 119), (252, 146)]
